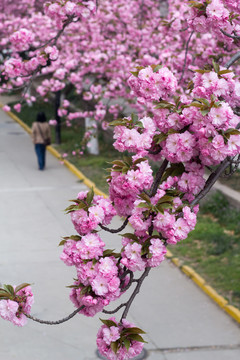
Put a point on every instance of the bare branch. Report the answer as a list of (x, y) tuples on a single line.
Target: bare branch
[(211, 181), (47, 322), (185, 59), (136, 291), (229, 35), (158, 178), (233, 60), (115, 310), (114, 231)]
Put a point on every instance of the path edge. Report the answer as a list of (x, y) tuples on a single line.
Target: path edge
[(231, 310)]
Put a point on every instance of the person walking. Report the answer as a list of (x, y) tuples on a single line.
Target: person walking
[(41, 136)]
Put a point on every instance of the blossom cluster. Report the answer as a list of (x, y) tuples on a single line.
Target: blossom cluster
[(153, 83), (216, 16), (117, 341), (88, 214), (60, 10), (15, 302), (128, 179)]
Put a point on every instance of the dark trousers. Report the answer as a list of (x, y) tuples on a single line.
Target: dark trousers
[(40, 151)]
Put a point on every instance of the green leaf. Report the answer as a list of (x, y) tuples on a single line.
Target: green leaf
[(216, 67), (202, 71), (108, 323), (145, 197), (20, 287), (226, 71), (114, 346), (72, 237), (204, 112), (159, 138), (165, 198), (62, 242), (156, 68), (127, 160), (132, 330), (125, 169), (127, 343), (139, 124), (204, 101), (232, 132), (135, 73), (134, 118), (9, 289), (108, 252), (117, 123), (139, 161), (90, 196), (118, 162), (130, 236), (136, 337), (143, 205), (4, 294)]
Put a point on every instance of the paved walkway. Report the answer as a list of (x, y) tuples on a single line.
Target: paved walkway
[(182, 323)]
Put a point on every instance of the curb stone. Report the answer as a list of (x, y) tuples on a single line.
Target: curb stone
[(187, 270)]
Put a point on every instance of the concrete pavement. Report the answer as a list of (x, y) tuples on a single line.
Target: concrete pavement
[(181, 322)]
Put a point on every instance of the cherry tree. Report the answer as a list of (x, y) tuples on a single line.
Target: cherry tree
[(188, 98)]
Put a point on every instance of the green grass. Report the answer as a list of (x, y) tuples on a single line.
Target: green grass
[(213, 248), (233, 181)]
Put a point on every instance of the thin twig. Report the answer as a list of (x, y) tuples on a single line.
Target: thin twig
[(232, 60), (136, 291), (211, 181), (185, 59), (113, 231), (47, 322), (229, 35), (115, 310), (158, 178), (129, 284)]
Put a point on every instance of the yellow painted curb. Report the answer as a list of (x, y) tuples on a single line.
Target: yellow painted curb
[(220, 300), (233, 312), (215, 296), (187, 270), (198, 280), (176, 261)]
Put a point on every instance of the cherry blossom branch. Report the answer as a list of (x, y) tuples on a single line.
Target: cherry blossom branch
[(47, 322), (55, 38), (158, 178), (213, 178), (211, 181), (185, 59), (114, 231), (115, 310), (232, 60), (229, 35), (129, 284), (136, 291)]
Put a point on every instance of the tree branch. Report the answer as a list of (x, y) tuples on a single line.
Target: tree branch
[(185, 59), (115, 310), (158, 178), (211, 181), (229, 35), (47, 322), (232, 60), (136, 291), (114, 231)]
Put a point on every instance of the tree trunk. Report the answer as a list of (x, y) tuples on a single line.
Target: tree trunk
[(93, 147)]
